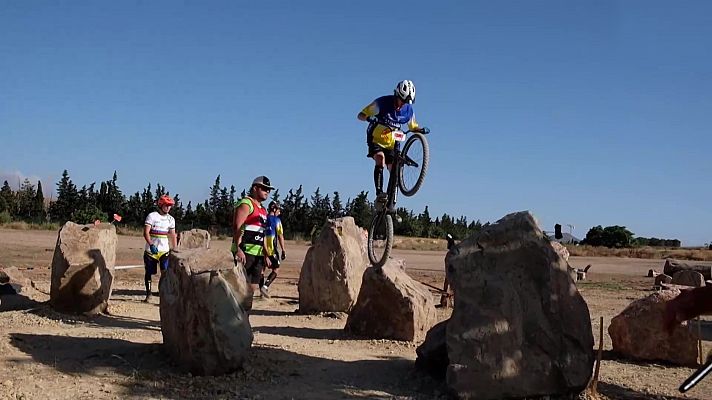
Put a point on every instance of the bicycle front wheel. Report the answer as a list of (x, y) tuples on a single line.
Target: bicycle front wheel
[(380, 239), (414, 164)]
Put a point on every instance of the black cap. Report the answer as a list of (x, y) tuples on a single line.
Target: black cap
[(262, 181)]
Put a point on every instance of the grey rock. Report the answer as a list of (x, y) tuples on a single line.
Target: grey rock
[(662, 278), (204, 323), (688, 278), (519, 328)]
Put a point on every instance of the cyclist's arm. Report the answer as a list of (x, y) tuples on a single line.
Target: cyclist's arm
[(147, 234), (368, 111), (413, 124), (241, 213), (173, 238), (280, 236)]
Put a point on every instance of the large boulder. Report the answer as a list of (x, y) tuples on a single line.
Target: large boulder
[(519, 328), (333, 268), (194, 239), (637, 332), (83, 268), (204, 324), (688, 278), (391, 305)]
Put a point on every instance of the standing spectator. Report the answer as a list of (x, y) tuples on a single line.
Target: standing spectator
[(249, 225), (273, 235), (447, 291), (160, 235)]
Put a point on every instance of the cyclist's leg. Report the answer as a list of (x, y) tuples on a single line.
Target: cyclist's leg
[(389, 156), (376, 152), (274, 267), (150, 265)]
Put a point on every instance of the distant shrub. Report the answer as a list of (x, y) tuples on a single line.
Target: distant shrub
[(5, 217)]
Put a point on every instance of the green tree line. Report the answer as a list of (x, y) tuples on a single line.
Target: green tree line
[(303, 215), (618, 236)]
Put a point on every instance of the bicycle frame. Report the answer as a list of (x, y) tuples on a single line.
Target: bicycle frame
[(394, 174)]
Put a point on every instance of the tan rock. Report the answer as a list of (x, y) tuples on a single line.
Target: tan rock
[(194, 239), (333, 268), (637, 332), (83, 268), (391, 305), (560, 249)]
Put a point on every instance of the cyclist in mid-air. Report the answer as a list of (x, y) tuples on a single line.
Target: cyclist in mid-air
[(382, 115)]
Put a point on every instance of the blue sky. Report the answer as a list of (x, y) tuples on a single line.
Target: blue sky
[(585, 113)]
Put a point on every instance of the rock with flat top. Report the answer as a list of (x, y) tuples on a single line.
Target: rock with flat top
[(204, 322)]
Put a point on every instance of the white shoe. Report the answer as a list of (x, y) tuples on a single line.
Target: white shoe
[(264, 290)]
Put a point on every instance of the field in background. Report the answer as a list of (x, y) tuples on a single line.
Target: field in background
[(435, 244)]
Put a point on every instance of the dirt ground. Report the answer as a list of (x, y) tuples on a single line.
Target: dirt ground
[(46, 355)]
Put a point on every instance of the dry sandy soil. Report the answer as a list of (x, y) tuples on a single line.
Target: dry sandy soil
[(46, 355)]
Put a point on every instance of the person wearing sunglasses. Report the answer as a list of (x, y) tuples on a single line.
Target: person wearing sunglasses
[(383, 115), (249, 225)]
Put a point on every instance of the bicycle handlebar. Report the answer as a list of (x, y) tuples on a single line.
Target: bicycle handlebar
[(374, 119)]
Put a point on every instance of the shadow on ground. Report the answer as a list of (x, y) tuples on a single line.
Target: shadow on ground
[(270, 372), (102, 320), (619, 392), (305, 333)]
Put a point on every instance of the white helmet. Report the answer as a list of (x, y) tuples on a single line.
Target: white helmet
[(406, 91)]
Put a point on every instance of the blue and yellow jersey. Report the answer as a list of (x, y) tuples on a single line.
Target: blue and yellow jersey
[(385, 108), (274, 229)]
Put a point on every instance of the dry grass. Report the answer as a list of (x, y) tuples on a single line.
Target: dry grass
[(642, 252), (423, 244), (25, 226)]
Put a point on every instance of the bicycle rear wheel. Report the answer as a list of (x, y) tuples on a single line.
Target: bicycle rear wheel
[(380, 239), (414, 164)]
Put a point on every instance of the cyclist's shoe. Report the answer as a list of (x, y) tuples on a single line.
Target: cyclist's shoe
[(264, 290), (148, 298), (381, 200)]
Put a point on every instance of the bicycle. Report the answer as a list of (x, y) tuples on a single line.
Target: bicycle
[(408, 165)]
